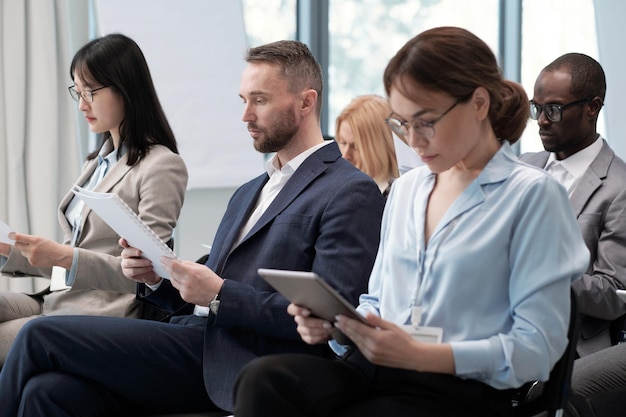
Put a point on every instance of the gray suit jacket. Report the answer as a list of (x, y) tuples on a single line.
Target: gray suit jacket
[(599, 202), (154, 188)]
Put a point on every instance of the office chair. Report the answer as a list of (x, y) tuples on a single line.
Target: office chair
[(550, 397)]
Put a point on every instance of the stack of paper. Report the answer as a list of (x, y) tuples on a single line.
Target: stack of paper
[(126, 223)]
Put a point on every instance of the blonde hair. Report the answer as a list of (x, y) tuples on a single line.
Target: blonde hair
[(372, 137)]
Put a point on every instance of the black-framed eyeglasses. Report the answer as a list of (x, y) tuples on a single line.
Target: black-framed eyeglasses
[(87, 95), (421, 127), (554, 112)]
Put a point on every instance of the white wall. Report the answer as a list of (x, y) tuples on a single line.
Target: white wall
[(200, 79), (202, 211), (195, 50)]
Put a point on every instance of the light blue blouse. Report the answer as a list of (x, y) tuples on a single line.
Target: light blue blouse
[(495, 274)]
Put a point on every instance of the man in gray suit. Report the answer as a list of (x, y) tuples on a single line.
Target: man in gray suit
[(568, 96)]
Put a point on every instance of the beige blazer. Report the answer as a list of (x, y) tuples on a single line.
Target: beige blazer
[(154, 188)]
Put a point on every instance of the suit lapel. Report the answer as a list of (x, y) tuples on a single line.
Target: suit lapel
[(239, 218), (589, 182), (115, 175), (591, 179), (311, 168), (112, 177), (88, 169)]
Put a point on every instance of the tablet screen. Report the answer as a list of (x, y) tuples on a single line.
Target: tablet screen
[(308, 290)]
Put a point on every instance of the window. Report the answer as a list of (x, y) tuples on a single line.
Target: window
[(364, 35), (551, 28), (269, 20)]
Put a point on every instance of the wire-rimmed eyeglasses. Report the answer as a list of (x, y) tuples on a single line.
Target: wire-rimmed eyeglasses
[(87, 95), (554, 112), (421, 127)]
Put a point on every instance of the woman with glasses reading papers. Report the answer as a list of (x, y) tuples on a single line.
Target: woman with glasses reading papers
[(476, 248), (137, 159)]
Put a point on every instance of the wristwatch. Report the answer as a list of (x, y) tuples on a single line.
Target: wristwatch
[(214, 305)]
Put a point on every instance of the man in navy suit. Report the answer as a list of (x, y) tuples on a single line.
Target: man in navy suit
[(311, 211)]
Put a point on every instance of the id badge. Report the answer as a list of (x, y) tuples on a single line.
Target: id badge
[(424, 334)]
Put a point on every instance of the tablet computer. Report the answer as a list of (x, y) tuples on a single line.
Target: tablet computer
[(308, 290)]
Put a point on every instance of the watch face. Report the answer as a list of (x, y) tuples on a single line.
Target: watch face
[(214, 306)]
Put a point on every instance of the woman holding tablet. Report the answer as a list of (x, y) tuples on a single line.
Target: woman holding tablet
[(475, 244)]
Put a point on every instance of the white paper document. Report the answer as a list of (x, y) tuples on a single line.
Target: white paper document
[(5, 229), (126, 223)]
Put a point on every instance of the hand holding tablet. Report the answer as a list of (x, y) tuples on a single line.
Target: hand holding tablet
[(308, 290)]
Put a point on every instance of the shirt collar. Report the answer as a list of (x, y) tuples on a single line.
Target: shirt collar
[(112, 156), (578, 163), (293, 164)]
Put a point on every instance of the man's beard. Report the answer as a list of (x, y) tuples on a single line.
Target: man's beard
[(279, 135)]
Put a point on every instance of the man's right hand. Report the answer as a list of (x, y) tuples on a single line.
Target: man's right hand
[(312, 330)]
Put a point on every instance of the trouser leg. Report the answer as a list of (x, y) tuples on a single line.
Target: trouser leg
[(62, 395), (599, 383), (8, 333), (307, 386), (15, 310), (296, 386), (157, 366), (15, 305)]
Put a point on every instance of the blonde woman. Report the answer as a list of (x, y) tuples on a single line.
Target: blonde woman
[(366, 141)]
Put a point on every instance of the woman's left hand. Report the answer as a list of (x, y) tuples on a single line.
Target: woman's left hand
[(383, 343)]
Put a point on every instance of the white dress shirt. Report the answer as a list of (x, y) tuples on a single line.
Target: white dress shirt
[(569, 171)]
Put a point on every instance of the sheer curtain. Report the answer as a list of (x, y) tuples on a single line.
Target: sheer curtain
[(39, 148)]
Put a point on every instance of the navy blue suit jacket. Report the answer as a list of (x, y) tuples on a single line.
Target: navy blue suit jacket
[(326, 219)]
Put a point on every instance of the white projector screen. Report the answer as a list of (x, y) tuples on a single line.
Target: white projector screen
[(195, 50)]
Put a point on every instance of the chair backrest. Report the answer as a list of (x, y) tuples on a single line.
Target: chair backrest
[(616, 329), (556, 390)]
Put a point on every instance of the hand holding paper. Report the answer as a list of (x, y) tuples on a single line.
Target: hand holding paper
[(126, 223)]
